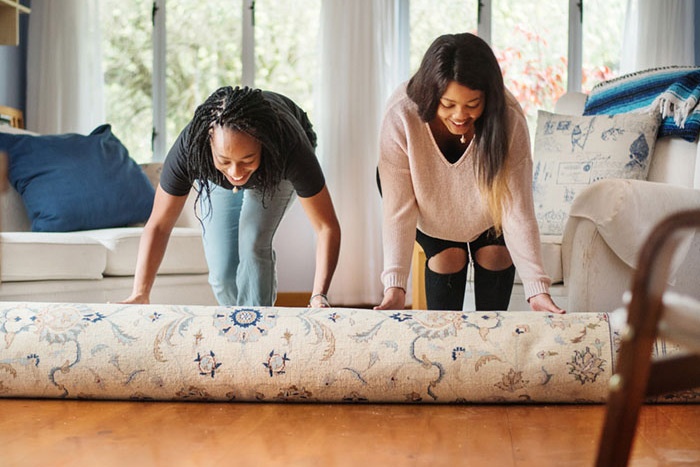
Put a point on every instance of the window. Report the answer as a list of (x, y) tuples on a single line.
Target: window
[(530, 40), (286, 48), (205, 49), (203, 52), (127, 62), (603, 27), (430, 19)]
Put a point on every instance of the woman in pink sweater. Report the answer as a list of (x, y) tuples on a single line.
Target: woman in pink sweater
[(456, 175)]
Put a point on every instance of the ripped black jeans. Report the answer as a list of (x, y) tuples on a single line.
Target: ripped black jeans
[(492, 289)]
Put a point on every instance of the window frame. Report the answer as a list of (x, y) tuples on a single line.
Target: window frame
[(575, 39), (484, 9)]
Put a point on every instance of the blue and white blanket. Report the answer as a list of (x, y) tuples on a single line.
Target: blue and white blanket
[(673, 92)]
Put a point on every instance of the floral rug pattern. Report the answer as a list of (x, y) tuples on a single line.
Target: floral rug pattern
[(166, 352)]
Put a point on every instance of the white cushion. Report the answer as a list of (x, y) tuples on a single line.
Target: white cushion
[(551, 258), (153, 171), (184, 255), (673, 161), (571, 103), (13, 215), (15, 131), (681, 320), (35, 256), (679, 323), (571, 152)]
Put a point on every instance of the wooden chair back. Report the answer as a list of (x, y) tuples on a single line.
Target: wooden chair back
[(651, 314)]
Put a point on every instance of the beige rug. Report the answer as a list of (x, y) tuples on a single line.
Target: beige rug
[(111, 351)]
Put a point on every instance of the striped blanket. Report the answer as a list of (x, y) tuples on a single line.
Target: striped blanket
[(672, 92)]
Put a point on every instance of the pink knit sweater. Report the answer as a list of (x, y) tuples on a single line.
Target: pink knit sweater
[(422, 189)]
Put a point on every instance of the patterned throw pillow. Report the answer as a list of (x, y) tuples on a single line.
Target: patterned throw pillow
[(572, 152)]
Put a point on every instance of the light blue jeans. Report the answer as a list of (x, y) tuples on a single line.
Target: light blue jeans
[(237, 237)]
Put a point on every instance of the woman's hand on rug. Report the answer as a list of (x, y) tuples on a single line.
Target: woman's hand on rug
[(394, 299), (544, 302), (136, 299), (319, 300)]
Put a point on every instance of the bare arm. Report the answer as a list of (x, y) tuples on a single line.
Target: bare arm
[(319, 209), (154, 240)]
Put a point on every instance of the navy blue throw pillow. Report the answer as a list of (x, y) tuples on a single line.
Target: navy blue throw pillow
[(72, 182)]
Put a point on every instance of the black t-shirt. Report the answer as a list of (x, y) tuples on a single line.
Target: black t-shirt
[(301, 167)]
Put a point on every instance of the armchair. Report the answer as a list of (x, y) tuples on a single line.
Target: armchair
[(609, 221)]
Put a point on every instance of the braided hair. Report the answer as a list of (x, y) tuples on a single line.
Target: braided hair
[(238, 109)]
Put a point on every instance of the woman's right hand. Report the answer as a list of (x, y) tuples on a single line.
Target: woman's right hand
[(544, 302), (136, 299), (394, 299)]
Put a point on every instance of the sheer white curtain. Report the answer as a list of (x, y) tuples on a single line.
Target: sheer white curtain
[(64, 67), (358, 62), (658, 33)]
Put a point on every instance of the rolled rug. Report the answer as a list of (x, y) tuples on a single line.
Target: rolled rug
[(167, 352)]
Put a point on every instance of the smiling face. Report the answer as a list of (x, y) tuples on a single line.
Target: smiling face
[(459, 108), (236, 154)]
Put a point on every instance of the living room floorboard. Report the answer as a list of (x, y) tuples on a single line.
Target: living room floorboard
[(106, 433)]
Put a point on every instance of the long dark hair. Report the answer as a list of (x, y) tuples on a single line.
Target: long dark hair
[(238, 109), (468, 60)]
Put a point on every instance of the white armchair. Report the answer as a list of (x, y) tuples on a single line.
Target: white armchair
[(609, 221)]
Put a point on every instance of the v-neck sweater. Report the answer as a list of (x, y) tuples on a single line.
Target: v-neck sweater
[(422, 189)]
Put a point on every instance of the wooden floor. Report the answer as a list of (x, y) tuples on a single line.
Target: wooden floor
[(99, 433)]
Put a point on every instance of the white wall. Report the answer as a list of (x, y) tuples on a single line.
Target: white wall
[(12, 77), (295, 244)]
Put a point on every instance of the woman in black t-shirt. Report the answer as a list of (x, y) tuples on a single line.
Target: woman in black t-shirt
[(248, 153)]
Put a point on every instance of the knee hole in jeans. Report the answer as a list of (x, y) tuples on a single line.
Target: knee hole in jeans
[(493, 258), (448, 261)]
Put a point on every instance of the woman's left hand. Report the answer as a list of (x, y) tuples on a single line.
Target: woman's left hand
[(319, 300), (544, 302)]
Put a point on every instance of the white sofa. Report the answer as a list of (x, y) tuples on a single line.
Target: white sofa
[(96, 266), (592, 263)]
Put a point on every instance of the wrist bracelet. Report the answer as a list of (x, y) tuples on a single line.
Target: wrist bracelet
[(322, 295)]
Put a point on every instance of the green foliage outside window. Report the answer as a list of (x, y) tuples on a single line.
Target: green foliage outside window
[(204, 52)]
